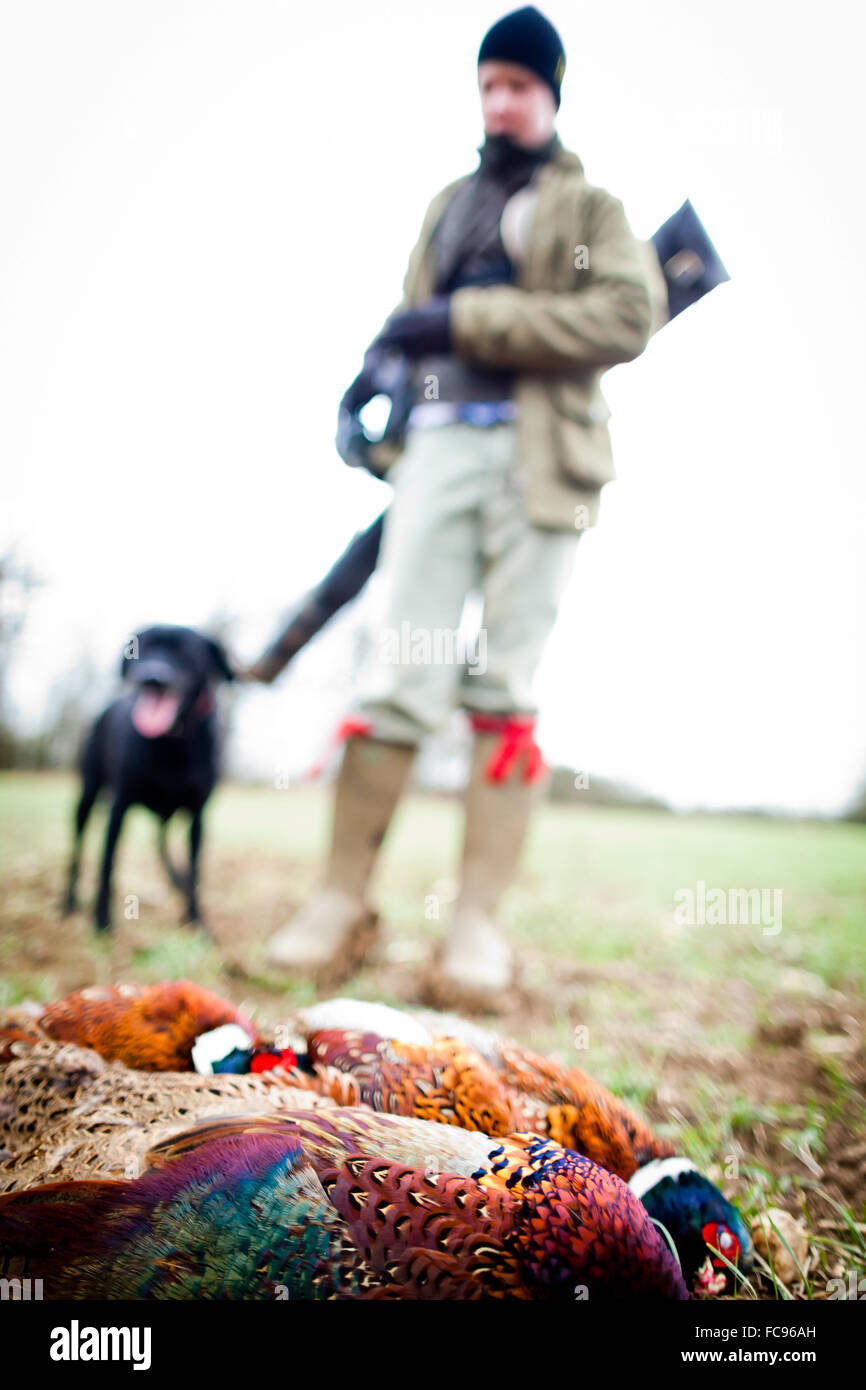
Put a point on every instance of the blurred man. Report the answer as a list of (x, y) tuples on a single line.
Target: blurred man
[(525, 285)]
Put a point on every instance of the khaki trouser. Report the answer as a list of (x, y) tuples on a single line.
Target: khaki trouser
[(457, 524)]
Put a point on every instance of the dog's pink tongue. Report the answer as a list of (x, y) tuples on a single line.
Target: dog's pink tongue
[(154, 712)]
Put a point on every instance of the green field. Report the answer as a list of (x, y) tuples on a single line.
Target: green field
[(747, 1047)]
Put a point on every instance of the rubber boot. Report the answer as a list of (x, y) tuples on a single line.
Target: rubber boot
[(329, 936), (475, 968)]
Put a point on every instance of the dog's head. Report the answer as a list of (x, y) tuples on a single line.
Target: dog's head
[(172, 669)]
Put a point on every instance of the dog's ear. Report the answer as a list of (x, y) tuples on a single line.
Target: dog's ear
[(131, 650), (219, 661)]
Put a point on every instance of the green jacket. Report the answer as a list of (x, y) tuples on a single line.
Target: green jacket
[(580, 303)]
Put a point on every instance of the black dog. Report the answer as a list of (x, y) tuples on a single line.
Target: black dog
[(155, 747)]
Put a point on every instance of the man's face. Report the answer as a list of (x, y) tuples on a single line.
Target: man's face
[(515, 102)]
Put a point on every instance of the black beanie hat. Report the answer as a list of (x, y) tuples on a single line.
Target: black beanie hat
[(526, 37)]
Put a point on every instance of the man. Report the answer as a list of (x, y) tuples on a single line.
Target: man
[(525, 285)]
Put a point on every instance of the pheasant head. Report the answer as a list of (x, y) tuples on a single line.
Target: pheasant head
[(702, 1222)]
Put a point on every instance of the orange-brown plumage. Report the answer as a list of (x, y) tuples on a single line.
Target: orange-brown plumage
[(579, 1113), (445, 1081), (152, 1028), (449, 1081)]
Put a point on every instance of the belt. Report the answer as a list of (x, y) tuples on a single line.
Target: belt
[(482, 413)]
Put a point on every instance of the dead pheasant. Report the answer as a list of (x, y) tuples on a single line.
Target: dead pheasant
[(408, 1070), (343, 1203), (534, 1093), (366, 1054)]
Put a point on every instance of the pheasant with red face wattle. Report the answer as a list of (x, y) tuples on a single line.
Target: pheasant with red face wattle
[(344, 1204), (526, 1091)]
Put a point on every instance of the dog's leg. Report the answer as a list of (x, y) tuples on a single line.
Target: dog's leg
[(93, 777), (193, 916), (103, 907), (82, 812), (177, 878)]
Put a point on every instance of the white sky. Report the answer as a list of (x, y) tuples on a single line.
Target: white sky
[(208, 208)]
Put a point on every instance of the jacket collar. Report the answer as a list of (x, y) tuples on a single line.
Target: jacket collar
[(565, 159), (556, 154), (502, 158)]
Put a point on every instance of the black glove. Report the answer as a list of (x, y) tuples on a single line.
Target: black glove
[(351, 441), (366, 383), (386, 372), (417, 332)]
